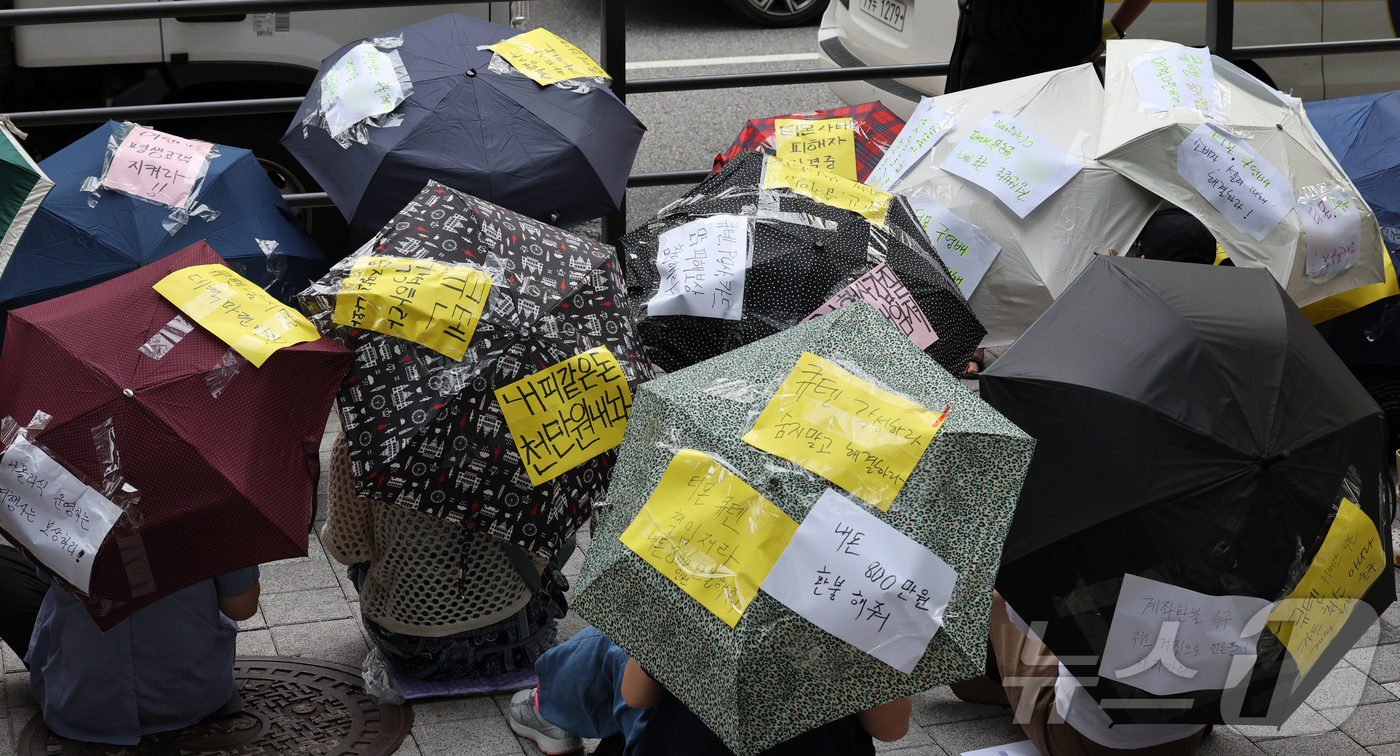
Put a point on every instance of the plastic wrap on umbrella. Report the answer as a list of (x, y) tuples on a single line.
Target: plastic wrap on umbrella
[(874, 128), (800, 255), (158, 168), (362, 90), (756, 668), (496, 298)]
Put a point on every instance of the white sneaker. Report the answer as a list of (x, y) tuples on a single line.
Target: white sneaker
[(526, 721)]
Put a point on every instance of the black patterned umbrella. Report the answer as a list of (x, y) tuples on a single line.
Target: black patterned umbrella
[(802, 256), (537, 318)]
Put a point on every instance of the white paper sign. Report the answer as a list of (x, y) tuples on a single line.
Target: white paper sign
[(1235, 180), (1177, 78), (58, 518), (359, 85), (1168, 640), (856, 577), (1023, 748), (1003, 156), (702, 268), (967, 252), (1332, 223), (926, 126)]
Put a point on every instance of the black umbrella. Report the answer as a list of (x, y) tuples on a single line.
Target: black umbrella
[(559, 155), (426, 431), (804, 253), (1193, 429)]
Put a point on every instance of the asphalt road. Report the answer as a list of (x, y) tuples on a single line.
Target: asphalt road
[(685, 130)]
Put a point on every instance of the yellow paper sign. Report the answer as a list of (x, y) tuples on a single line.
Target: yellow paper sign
[(431, 303), (1351, 558), (545, 57), (709, 533), (826, 145), (828, 189), (846, 430), (236, 311), (567, 413)]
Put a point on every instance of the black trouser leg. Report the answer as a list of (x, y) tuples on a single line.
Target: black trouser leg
[(21, 592)]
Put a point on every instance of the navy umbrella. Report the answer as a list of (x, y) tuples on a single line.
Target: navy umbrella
[(553, 153), (69, 245), (1364, 135)]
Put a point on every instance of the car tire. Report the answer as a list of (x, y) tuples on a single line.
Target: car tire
[(779, 13)]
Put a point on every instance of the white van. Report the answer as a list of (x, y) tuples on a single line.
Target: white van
[(857, 33), (196, 59)]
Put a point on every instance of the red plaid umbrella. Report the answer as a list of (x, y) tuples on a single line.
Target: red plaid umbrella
[(876, 128), (225, 481)]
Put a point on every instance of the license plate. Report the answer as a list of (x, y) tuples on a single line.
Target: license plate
[(889, 12)]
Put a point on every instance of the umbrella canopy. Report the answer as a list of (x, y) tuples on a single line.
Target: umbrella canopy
[(799, 254), (554, 154), (873, 129), (225, 455), (1364, 135), (1247, 163), (1237, 460), (1096, 212), (70, 245), (764, 674), (23, 185), (436, 429)]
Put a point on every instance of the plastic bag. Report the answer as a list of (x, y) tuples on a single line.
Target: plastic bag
[(378, 680), (364, 89)]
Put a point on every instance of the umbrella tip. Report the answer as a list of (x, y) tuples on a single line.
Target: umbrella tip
[(128, 393), (471, 72)]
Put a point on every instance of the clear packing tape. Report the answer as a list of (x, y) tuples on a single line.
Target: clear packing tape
[(546, 59), (158, 168), (346, 95)]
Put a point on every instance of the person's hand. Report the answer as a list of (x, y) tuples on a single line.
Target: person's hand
[(1096, 53), (971, 369)]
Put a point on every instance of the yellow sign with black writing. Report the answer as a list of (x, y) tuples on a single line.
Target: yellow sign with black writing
[(828, 189), (1351, 558), (435, 304), (567, 413), (846, 430), (546, 57), (236, 311), (710, 533), (826, 145)]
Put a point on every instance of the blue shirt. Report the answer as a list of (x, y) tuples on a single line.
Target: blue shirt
[(167, 666)]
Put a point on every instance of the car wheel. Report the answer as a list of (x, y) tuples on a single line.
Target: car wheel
[(779, 12)]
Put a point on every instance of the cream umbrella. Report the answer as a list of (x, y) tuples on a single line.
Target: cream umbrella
[(1243, 158), (1097, 211)]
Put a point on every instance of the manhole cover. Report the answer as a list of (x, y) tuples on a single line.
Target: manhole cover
[(290, 706)]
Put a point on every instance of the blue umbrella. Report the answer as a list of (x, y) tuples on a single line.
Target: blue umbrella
[(70, 246), (1364, 135), (554, 154)]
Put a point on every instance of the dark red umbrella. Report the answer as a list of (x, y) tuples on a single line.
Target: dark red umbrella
[(224, 454), (876, 129)]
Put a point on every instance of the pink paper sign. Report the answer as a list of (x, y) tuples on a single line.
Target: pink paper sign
[(886, 293), (156, 166)]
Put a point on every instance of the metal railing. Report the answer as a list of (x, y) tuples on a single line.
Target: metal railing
[(613, 58)]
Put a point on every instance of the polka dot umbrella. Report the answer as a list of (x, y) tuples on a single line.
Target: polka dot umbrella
[(493, 361), (800, 257)]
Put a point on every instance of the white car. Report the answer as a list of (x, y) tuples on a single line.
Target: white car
[(858, 33)]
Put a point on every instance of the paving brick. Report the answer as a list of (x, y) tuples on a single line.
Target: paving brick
[(915, 741), (255, 622), (1375, 724), (1347, 686), (1305, 721), (19, 719), (1330, 743), (337, 641), (304, 573), (304, 606), (977, 733), (11, 661), (256, 643), (1383, 664), (477, 737), (461, 709), (409, 747), (17, 690), (1390, 749), (570, 625), (940, 706)]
